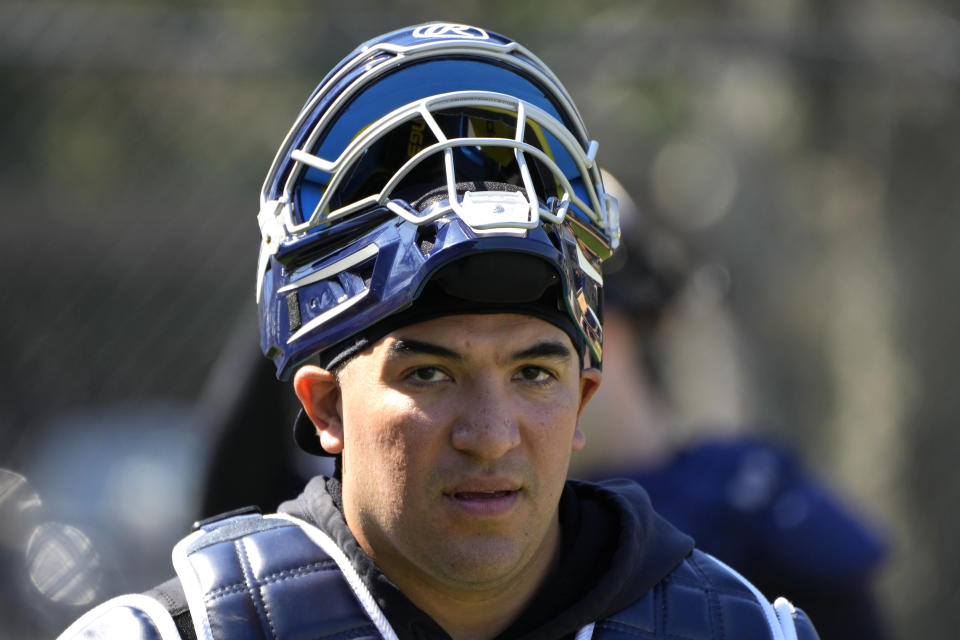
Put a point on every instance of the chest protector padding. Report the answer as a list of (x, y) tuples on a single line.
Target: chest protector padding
[(699, 599), (265, 578), (276, 578), (256, 578)]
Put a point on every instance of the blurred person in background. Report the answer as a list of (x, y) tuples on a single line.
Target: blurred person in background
[(432, 233), (743, 496)]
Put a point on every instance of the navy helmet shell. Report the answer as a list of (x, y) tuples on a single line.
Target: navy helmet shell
[(424, 146)]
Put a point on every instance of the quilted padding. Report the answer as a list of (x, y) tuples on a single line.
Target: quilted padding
[(699, 600), (282, 579)]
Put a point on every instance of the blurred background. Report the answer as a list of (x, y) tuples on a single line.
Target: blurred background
[(809, 149)]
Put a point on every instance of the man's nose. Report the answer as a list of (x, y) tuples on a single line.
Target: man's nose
[(487, 427)]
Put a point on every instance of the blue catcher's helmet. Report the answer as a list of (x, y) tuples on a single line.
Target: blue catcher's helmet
[(423, 147)]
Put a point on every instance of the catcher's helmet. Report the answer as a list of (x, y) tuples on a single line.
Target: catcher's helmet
[(436, 149)]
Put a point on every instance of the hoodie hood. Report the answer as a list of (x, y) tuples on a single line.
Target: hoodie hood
[(609, 526), (645, 549)]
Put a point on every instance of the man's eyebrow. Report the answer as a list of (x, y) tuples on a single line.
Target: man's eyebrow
[(544, 349), (409, 346)]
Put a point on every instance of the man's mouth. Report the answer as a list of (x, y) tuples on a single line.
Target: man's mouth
[(481, 495), (484, 502)]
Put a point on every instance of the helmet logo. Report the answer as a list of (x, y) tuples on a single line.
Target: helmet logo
[(448, 30), (502, 212)]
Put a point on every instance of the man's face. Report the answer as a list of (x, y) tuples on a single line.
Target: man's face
[(457, 435)]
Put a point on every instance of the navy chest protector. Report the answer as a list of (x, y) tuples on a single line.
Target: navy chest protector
[(276, 577)]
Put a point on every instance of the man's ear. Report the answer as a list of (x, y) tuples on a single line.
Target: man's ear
[(589, 383), (319, 393)]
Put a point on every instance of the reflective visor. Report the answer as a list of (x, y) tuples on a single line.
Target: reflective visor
[(488, 124)]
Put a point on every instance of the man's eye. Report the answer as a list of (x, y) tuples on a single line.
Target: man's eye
[(428, 374), (534, 374)]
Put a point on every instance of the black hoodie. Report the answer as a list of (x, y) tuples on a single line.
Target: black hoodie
[(615, 548)]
